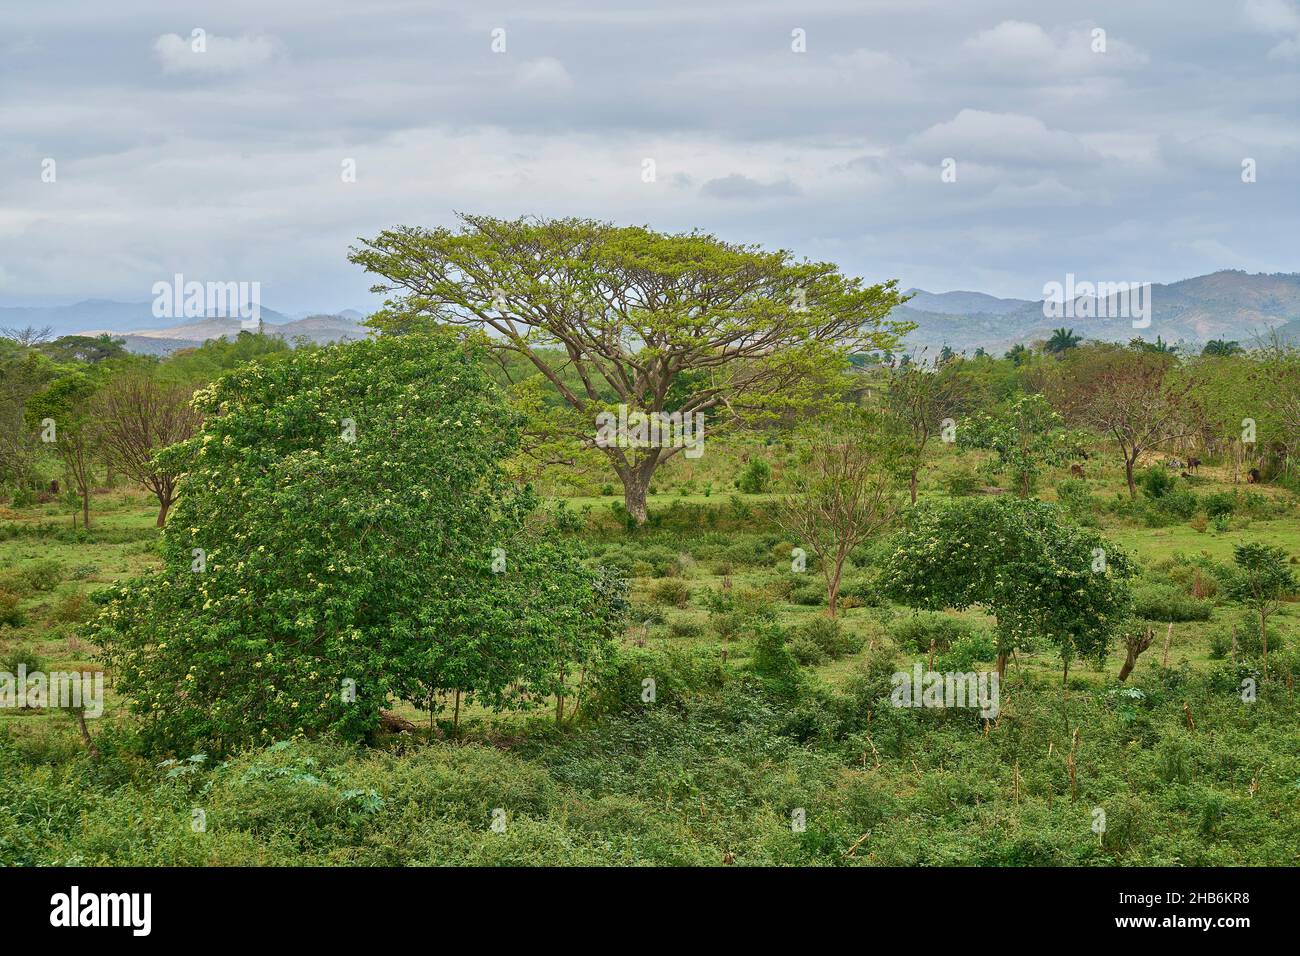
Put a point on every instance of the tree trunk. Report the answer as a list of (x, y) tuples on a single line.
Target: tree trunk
[(635, 487), (833, 588), (85, 733), (1128, 476), (162, 511), (1263, 636), (85, 508), (912, 486), (1001, 665)]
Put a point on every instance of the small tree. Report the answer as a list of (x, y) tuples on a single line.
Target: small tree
[(1261, 579), (1130, 395), (65, 412), (1136, 640), (845, 499), (917, 401), (1027, 436), (1037, 573), (139, 416)]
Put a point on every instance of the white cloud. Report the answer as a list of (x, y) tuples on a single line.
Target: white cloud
[(1273, 16), (546, 74), (1014, 46), (1276, 17), (1000, 138), (214, 54)]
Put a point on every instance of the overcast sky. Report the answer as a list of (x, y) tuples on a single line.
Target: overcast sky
[(227, 164)]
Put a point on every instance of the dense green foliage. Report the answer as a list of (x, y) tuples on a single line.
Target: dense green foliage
[(335, 544)]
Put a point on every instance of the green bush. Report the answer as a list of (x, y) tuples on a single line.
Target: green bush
[(685, 627), (961, 482), (755, 477), (671, 592), (829, 636), (22, 497), (917, 632), (974, 647), (43, 575), (1248, 639), (806, 651), (774, 664), (1075, 496), (1179, 502), (10, 613), (1161, 601), (1156, 481), (20, 656), (1219, 503), (809, 592), (618, 683)]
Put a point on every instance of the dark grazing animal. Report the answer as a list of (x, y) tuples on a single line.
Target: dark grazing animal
[(1252, 476), (1076, 471), (1193, 464)]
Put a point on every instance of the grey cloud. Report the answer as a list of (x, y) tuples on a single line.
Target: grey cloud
[(1066, 159), (736, 186)]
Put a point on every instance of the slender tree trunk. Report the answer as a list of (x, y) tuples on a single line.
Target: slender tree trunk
[(1001, 665), (85, 733), (85, 506), (1263, 636), (1128, 476), (833, 587), (164, 506), (912, 486)]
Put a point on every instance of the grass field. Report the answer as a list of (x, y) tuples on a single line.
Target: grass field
[(1185, 770)]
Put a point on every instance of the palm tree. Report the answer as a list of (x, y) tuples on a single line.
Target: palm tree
[(1061, 340), (1018, 355), (1222, 348)]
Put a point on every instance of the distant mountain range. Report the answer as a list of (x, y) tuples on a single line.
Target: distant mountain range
[(1228, 305), (135, 324)]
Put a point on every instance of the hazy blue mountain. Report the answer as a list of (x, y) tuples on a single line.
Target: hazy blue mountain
[(1223, 305), (963, 303), (134, 322), (96, 315)]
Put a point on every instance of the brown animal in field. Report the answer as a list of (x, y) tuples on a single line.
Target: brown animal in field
[(54, 486), (1076, 471), (1252, 476), (1193, 464)]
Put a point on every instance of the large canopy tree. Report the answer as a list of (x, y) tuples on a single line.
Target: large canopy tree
[(1039, 575), (627, 316)]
